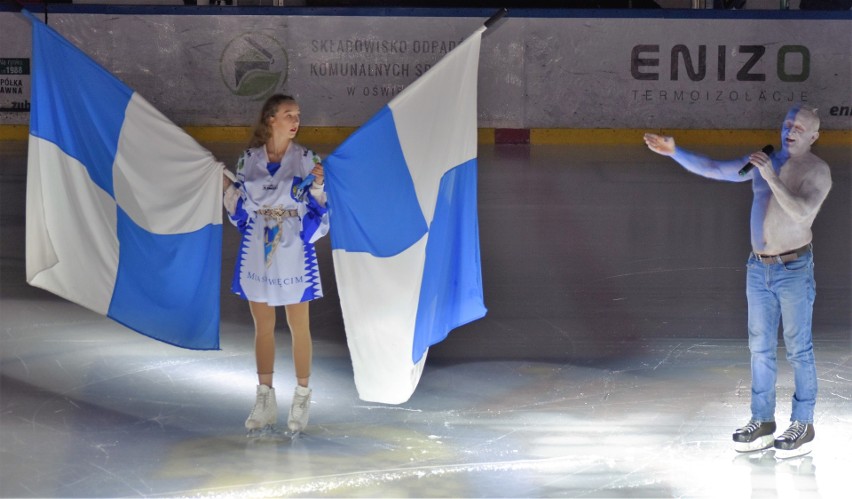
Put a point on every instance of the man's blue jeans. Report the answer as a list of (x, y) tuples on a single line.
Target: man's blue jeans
[(782, 292)]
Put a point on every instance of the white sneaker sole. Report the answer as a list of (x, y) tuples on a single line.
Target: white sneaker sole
[(764, 442)]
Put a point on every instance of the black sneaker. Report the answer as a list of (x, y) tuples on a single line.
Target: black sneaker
[(754, 436), (795, 441)]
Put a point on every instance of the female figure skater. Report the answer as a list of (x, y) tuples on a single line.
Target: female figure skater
[(279, 221)]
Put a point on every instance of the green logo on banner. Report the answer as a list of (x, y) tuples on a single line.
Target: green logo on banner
[(254, 65)]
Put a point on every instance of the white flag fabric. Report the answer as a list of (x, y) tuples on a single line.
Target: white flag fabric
[(124, 213), (404, 229)]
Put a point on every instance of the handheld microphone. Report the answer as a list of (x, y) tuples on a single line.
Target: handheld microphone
[(747, 168)]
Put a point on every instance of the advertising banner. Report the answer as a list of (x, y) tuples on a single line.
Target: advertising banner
[(14, 69), (215, 70), (14, 84)]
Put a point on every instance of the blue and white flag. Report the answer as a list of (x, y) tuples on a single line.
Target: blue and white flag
[(404, 230), (124, 213)]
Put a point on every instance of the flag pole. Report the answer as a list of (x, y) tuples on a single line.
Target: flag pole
[(496, 17)]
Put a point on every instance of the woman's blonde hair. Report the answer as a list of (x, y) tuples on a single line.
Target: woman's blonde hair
[(262, 130)]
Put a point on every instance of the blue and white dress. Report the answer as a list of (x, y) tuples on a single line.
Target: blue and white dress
[(277, 261)]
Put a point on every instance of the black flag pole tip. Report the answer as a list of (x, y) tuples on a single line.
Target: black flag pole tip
[(496, 17)]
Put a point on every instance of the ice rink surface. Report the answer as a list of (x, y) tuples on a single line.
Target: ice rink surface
[(613, 361)]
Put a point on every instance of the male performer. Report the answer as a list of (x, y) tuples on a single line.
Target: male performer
[(789, 187)]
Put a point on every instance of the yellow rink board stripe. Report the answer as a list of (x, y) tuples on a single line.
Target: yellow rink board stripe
[(537, 136)]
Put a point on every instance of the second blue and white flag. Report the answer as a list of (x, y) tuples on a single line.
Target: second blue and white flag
[(404, 229)]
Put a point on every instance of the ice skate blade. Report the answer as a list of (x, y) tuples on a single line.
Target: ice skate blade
[(261, 432), (804, 449), (761, 443)]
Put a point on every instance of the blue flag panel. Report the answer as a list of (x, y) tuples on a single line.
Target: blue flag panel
[(79, 105), (451, 291), (374, 204)]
